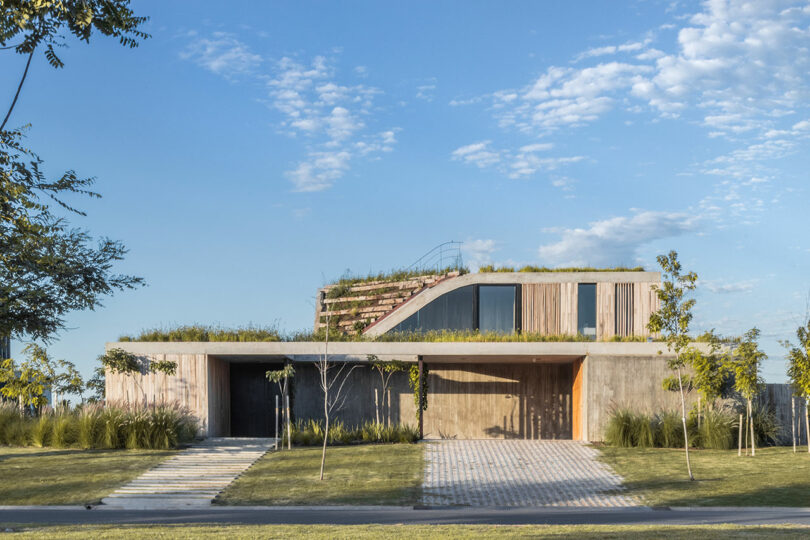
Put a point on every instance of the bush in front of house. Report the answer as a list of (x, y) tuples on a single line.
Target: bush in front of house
[(718, 429), (310, 433), (88, 426)]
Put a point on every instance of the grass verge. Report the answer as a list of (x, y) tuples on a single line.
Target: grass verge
[(69, 476), (705, 532), (775, 477), (379, 474)]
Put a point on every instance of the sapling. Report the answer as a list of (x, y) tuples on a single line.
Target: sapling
[(799, 370)]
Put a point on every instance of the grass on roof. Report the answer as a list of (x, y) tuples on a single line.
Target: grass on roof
[(349, 280), (529, 268), (198, 332)]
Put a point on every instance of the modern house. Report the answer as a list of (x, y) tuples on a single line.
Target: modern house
[(536, 355)]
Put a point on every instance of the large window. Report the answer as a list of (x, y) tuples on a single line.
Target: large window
[(496, 308), (451, 311), (586, 310)]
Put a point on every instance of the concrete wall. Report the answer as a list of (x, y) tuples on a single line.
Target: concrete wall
[(358, 406), (625, 381)]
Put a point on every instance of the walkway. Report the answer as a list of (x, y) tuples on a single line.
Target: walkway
[(191, 478), (519, 473)]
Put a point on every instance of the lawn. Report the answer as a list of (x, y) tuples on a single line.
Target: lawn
[(69, 476), (705, 532), (775, 477), (379, 474)]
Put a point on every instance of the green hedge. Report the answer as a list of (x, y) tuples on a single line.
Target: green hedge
[(94, 426)]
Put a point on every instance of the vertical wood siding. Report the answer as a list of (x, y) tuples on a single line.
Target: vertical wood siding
[(605, 310), (576, 401), (623, 316), (219, 397), (541, 308), (568, 308), (507, 401), (645, 302), (188, 387)]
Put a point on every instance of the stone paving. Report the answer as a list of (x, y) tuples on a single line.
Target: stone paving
[(519, 473)]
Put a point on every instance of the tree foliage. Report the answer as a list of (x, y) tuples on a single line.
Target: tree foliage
[(28, 381), (127, 363), (746, 362), (799, 361)]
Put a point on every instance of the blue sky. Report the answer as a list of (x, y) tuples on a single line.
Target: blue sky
[(249, 152)]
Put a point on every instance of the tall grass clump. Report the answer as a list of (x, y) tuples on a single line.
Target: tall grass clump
[(310, 433), (716, 430), (41, 430), (619, 431), (90, 427), (767, 427), (65, 429), (668, 430)]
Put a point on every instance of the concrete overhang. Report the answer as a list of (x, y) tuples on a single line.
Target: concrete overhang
[(309, 351)]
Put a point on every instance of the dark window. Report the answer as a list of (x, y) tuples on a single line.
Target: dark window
[(496, 308), (450, 311), (586, 310)]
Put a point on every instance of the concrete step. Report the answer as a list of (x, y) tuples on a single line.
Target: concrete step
[(193, 477)]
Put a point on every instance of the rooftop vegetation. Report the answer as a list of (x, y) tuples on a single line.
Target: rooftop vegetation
[(197, 332), (340, 287), (529, 268)]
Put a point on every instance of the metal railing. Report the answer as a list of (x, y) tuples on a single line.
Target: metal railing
[(445, 255)]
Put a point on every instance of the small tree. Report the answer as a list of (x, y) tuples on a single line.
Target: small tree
[(281, 377), (386, 370), (27, 383), (710, 371), (332, 380), (799, 370), (746, 361), (68, 381), (126, 363), (672, 321), (97, 385)]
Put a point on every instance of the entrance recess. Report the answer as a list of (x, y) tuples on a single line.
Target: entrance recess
[(253, 400)]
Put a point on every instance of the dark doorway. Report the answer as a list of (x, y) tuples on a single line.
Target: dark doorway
[(253, 400)]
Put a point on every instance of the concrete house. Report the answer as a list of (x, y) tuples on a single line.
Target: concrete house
[(598, 355)]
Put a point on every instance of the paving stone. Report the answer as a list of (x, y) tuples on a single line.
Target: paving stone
[(519, 473)]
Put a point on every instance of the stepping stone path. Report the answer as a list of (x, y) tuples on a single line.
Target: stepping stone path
[(194, 477), (519, 473)]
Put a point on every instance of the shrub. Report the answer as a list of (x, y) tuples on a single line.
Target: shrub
[(89, 426), (717, 430), (669, 430), (619, 431), (767, 427), (310, 433), (64, 432)]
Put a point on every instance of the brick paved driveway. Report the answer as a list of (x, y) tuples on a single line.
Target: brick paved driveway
[(519, 473)]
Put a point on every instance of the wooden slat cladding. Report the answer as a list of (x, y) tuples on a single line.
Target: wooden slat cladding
[(219, 397), (605, 307), (568, 308), (624, 311), (645, 302), (541, 308), (188, 387), (506, 401)]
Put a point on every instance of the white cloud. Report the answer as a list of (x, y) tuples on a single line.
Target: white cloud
[(478, 154), (478, 252), (614, 241), (720, 287), (425, 92), (222, 54)]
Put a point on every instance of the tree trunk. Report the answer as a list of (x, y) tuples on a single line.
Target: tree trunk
[(325, 431), (277, 442), (683, 421), (740, 437), (746, 429), (698, 409), (388, 410), (807, 424), (753, 434), (376, 406), (289, 423), (793, 421)]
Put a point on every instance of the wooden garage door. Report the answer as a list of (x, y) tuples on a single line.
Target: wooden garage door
[(486, 401)]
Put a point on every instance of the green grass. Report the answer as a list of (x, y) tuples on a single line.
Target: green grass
[(775, 477), (530, 268), (386, 474), (70, 476), (685, 532), (202, 332)]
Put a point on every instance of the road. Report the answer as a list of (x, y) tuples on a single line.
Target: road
[(396, 515)]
